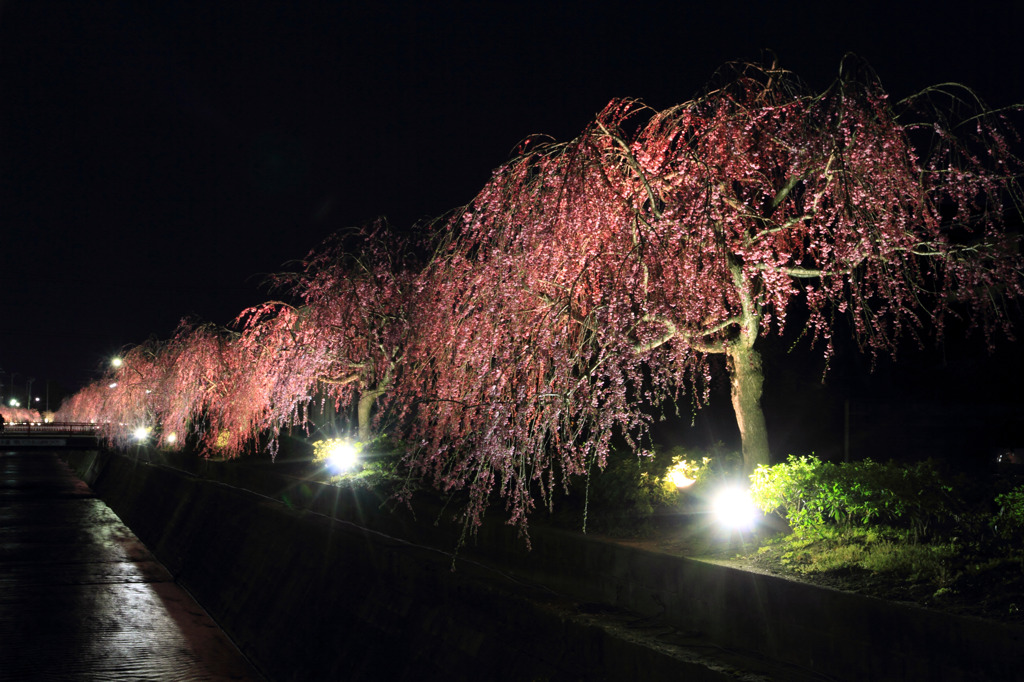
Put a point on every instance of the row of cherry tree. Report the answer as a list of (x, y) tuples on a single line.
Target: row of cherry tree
[(593, 280), (16, 415)]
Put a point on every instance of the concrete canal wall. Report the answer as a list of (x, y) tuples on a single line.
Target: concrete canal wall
[(317, 582), (308, 597)]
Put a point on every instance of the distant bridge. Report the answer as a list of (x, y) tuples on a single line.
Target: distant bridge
[(48, 435)]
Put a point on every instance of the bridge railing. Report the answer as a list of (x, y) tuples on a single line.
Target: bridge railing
[(49, 429)]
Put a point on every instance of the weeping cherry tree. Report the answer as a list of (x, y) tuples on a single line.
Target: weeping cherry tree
[(592, 280)]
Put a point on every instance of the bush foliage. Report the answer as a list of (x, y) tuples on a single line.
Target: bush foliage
[(1009, 521), (820, 497), (908, 531)]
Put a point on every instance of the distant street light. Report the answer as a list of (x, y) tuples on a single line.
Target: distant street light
[(116, 362)]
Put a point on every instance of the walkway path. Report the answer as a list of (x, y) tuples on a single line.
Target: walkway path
[(81, 598)]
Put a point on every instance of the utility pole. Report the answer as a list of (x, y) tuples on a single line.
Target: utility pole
[(846, 430)]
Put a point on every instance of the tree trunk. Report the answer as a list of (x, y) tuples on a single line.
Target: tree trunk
[(366, 401), (365, 409), (746, 380)]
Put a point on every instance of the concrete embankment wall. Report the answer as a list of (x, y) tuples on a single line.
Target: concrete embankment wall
[(316, 582), (308, 597)]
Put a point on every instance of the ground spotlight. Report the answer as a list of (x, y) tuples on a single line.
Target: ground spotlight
[(733, 508), (342, 456)]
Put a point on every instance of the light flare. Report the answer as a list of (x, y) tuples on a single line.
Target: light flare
[(733, 508), (342, 456)]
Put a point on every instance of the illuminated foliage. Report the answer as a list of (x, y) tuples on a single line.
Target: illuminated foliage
[(357, 291), (194, 372), (127, 394), (817, 498), (85, 406), (687, 472), (341, 343), (14, 415)]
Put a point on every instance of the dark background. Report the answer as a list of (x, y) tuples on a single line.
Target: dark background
[(158, 158)]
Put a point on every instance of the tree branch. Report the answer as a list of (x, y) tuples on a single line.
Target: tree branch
[(670, 331), (341, 381), (636, 167), (786, 189)]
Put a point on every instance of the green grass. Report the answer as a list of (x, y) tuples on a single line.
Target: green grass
[(879, 552)]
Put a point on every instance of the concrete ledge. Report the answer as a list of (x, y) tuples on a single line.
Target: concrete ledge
[(309, 597), (842, 635), (298, 569)]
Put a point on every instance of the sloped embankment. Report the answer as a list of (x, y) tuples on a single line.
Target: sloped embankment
[(317, 582)]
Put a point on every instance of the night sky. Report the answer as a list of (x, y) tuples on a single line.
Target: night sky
[(158, 158)]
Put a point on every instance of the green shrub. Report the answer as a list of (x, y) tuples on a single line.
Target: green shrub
[(1008, 522), (813, 496), (622, 497)]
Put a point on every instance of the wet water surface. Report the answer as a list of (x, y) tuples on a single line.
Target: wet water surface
[(81, 598)]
